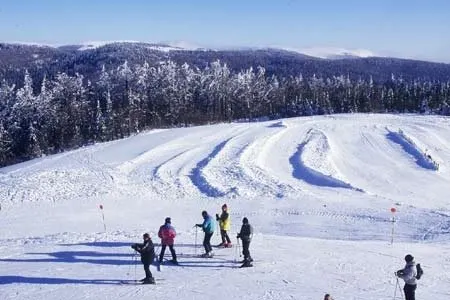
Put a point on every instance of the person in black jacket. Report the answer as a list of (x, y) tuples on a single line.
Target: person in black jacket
[(147, 251), (246, 235)]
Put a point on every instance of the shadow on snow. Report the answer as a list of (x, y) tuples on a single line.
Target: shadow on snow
[(49, 280)]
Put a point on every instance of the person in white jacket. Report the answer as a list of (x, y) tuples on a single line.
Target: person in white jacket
[(408, 274)]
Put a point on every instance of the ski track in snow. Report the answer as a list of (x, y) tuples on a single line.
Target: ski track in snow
[(199, 179), (312, 164), (410, 149)]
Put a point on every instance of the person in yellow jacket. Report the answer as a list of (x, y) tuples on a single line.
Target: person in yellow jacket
[(225, 225)]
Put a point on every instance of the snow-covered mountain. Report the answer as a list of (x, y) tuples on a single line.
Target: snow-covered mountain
[(336, 53), (318, 191)]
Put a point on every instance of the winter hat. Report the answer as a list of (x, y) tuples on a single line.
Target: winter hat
[(409, 258), (245, 220), (224, 207), (146, 236), (204, 213), (167, 220)]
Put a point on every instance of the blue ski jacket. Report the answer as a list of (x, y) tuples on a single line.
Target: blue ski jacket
[(208, 224)]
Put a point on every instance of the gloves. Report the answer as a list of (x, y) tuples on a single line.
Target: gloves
[(238, 236), (399, 273), (217, 217), (198, 225), (134, 246)]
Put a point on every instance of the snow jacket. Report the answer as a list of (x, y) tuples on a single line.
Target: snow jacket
[(147, 251), (408, 273), (167, 234), (224, 221), (208, 224), (246, 232)]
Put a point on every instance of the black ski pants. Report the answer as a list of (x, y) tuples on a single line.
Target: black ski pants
[(172, 251), (146, 264), (245, 249), (225, 237), (207, 241), (410, 291)]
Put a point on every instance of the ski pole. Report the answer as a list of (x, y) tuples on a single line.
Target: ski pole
[(399, 288), (239, 248), (131, 265), (236, 251), (395, 289), (195, 246)]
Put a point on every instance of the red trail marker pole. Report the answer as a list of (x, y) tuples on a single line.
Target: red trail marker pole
[(103, 216), (393, 211)]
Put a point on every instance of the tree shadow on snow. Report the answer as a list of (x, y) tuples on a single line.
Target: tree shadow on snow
[(101, 244), (49, 280), (90, 257)]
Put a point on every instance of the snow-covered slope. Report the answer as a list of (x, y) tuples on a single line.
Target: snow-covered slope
[(318, 191), (333, 52)]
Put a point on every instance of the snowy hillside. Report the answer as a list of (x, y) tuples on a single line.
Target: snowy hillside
[(318, 191), (336, 53)]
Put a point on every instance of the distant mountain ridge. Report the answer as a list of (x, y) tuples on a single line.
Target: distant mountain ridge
[(88, 58)]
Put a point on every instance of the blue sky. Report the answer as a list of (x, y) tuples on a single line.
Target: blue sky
[(414, 28)]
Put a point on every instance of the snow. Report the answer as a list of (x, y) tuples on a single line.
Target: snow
[(98, 44), (163, 47), (318, 191), (332, 52)]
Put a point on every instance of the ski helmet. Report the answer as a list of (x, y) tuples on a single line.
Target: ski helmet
[(409, 258), (146, 236), (167, 220), (245, 220)]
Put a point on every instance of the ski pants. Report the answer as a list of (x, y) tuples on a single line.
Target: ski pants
[(207, 241), (225, 237), (245, 249), (163, 249), (146, 264), (410, 291)]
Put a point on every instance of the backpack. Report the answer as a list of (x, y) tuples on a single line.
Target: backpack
[(419, 271)]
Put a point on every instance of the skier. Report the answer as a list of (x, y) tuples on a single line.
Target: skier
[(408, 274), (208, 228), (224, 224), (245, 235), (147, 251), (327, 297), (167, 235)]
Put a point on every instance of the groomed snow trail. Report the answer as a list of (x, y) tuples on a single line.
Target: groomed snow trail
[(318, 191)]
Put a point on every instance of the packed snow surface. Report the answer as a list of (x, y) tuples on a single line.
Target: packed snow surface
[(318, 191)]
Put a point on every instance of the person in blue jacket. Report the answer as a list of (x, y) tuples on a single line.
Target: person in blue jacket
[(207, 226)]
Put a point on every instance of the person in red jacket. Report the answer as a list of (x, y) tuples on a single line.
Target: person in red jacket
[(167, 235)]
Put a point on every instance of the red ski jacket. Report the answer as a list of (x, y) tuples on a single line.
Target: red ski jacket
[(167, 234)]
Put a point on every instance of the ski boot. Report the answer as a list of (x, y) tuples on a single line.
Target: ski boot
[(150, 280)]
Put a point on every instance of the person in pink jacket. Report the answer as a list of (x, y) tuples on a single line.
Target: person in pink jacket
[(167, 235)]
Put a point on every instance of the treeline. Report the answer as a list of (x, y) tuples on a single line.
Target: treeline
[(65, 111)]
